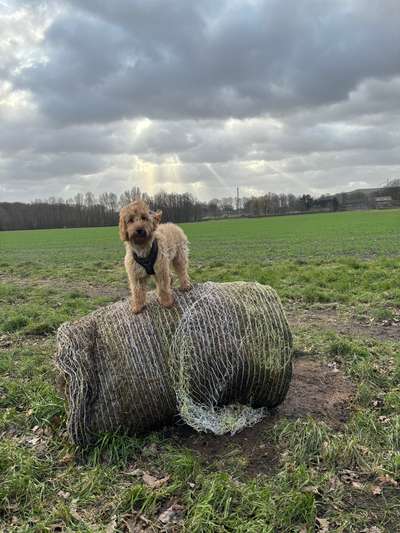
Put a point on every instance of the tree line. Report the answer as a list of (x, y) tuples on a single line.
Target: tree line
[(86, 210)]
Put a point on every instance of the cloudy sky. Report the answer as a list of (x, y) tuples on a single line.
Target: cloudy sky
[(198, 96)]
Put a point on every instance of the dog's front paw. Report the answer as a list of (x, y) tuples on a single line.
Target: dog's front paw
[(167, 302), (186, 286), (137, 308)]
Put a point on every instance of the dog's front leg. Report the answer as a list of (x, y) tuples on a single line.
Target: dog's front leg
[(138, 291), (163, 282)]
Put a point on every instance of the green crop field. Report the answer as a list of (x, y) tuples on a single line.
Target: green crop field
[(327, 460)]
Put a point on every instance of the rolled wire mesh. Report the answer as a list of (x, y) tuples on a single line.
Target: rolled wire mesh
[(219, 359)]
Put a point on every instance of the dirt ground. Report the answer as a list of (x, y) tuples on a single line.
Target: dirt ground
[(330, 319), (316, 390)]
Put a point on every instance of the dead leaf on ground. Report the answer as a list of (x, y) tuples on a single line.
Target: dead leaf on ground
[(348, 476), (387, 480), (384, 481), (153, 482), (171, 514), (311, 488), (376, 491), (323, 525), (132, 526), (138, 524), (112, 526), (67, 458)]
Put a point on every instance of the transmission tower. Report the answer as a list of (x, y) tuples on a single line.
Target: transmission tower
[(237, 200)]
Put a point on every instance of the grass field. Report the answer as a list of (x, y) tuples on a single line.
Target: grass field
[(329, 460)]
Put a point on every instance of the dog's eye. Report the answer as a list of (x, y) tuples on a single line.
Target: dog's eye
[(144, 217)]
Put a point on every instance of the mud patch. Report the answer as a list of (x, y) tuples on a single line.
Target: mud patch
[(316, 390), (330, 319)]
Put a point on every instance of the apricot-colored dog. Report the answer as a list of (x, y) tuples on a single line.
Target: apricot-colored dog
[(152, 249)]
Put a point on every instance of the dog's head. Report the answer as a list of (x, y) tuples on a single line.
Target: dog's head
[(137, 223)]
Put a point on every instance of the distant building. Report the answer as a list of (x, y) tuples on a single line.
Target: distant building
[(383, 202), (354, 202)]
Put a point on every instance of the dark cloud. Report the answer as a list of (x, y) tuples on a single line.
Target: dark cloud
[(177, 60), (297, 96)]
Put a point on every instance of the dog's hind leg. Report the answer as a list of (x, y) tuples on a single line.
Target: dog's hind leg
[(180, 264)]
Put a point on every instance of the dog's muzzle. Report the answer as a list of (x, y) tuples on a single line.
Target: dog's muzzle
[(140, 236)]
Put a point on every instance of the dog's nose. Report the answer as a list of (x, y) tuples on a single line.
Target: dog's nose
[(141, 232)]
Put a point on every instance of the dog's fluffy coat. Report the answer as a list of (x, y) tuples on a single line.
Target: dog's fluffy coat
[(138, 227)]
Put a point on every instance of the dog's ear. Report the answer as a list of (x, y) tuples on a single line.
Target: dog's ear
[(157, 217), (123, 233)]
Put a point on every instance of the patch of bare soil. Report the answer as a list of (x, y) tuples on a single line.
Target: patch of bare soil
[(316, 390), (330, 319)]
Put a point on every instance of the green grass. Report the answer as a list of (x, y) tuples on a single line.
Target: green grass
[(40, 311), (346, 261), (344, 258), (94, 251)]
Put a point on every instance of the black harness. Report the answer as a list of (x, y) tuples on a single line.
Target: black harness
[(148, 262)]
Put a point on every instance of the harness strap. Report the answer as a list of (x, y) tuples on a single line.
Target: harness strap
[(148, 262)]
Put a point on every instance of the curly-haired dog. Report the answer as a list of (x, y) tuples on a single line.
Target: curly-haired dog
[(151, 249)]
